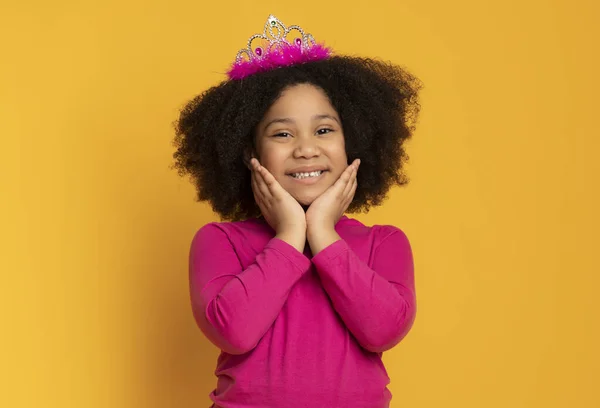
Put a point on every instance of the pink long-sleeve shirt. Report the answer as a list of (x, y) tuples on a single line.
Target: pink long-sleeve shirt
[(297, 330)]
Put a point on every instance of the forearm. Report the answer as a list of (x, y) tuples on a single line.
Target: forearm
[(321, 237), (294, 239), (378, 312), (234, 308)]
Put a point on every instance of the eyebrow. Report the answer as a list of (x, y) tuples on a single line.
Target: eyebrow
[(290, 120)]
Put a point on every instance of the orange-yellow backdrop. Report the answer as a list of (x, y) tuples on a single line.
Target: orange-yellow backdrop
[(501, 211)]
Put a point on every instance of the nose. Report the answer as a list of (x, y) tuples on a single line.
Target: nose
[(307, 148)]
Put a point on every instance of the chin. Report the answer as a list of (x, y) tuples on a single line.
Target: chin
[(305, 200), (305, 195)]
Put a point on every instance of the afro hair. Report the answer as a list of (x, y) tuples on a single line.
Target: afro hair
[(377, 103)]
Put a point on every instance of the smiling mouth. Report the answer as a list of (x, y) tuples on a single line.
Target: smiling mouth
[(310, 174)]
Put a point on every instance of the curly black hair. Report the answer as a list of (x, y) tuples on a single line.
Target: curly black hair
[(377, 103)]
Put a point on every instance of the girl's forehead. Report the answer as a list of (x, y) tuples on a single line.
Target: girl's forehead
[(302, 99)]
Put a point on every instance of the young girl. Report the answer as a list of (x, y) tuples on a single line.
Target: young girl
[(301, 299)]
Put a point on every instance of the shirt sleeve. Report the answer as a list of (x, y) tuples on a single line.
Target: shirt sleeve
[(377, 304), (235, 307)]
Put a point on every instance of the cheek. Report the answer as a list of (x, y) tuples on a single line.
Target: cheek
[(339, 159), (273, 160), (337, 147)]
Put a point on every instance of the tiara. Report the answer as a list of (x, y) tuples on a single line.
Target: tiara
[(276, 51)]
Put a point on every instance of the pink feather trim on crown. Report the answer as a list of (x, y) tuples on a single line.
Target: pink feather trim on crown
[(284, 55)]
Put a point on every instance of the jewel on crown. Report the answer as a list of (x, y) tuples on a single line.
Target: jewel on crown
[(276, 51)]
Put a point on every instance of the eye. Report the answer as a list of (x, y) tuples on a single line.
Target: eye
[(281, 134), (324, 131)]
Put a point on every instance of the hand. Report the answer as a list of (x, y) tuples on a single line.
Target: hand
[(328, 208), (281, 211)]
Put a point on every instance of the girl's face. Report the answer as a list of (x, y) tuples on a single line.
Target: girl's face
[(301, 142)]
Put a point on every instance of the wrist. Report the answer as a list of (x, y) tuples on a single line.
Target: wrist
[(319, 227), (295, 238), (320, 239)]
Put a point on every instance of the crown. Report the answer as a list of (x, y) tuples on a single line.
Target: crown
[(276, 51)]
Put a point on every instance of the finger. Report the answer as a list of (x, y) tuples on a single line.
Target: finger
[(353, 189), (260, 203), (343, 180), (261, 186), (348, 186), (255, 189), (273, 185), (347, 189), (252, 165), (350, 194), (255, 165), (259, 192), (259, 198), (353, 182)]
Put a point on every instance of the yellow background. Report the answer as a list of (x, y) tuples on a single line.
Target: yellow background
[(501, 212)]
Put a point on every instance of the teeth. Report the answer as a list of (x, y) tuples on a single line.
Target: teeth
[(306, 175)]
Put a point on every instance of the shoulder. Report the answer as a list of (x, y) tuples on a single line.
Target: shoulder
[(391, 232), (377, 232), (235, 234), (371, 242)]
